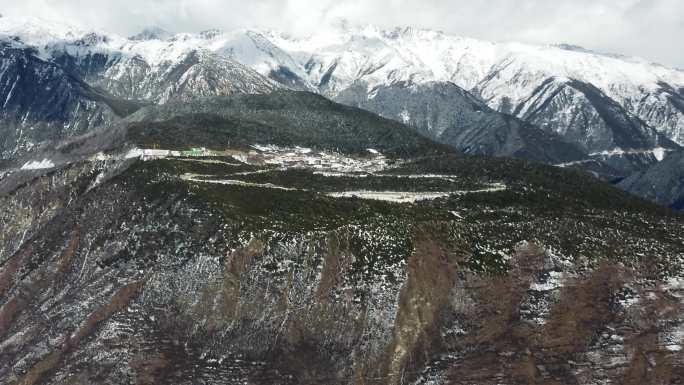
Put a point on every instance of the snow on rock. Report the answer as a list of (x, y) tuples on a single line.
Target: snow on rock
[(334, 59), (38, 165), (552, 282), (376, 56)]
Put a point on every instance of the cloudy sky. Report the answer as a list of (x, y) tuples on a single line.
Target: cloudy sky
[(653, 29)]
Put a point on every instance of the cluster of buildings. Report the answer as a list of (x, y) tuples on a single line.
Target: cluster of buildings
[(287, 157), (302, 157)]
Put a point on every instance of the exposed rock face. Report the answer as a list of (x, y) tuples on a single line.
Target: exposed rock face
[(40, 101), (507, 76), (588, 117), (662, 108), (120, 271), (195, 73), (663, 183)]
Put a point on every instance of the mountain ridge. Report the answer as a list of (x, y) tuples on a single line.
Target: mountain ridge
[(281, 237), (506, 76)]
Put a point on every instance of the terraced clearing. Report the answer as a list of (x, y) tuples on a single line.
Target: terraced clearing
[(400, 188), (329, 173), (493, 204)]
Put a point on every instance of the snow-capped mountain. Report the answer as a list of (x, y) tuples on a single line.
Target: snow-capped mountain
[(563, 89), (40, 101), (142, 67), (626, 111), (284, 238), (611, 106), (152, 33), (57, 81)]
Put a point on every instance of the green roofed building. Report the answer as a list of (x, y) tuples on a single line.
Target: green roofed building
[(195, 151)]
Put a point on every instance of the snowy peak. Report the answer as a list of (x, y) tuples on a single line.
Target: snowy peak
[(368, 53), (512, 78), (43, 34), (424, 55), (152, 33), (577, 48)]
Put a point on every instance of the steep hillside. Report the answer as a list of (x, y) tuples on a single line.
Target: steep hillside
[(595, 121), (662, 183), (290, 266), (190, 73), (451, 115), (505, 75), (192, 219), (283, 118), (40, 101)]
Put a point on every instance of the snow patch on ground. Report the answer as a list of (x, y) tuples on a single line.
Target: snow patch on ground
[(553, 282), (448, 178), (410, 196), (672, 340), (657, 152), (341, 174), (232, 182), (674, 284), (405, 116), (390, 196), (573, 163)]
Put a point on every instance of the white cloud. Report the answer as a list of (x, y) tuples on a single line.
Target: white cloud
[(648, 28)]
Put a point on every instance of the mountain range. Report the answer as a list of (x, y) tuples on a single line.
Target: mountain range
[(624, 113), (357, 207)]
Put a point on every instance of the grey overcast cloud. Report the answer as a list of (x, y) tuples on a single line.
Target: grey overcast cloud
[(653, 29)]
